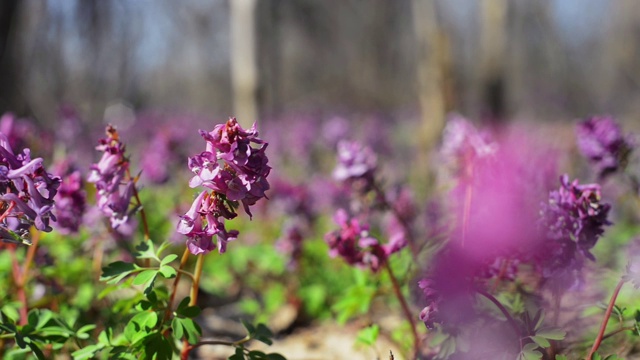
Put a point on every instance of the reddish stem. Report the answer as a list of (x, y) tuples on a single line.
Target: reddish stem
[(17, 279), (405, 308), (183, 262), (5, 214), (607, 315)]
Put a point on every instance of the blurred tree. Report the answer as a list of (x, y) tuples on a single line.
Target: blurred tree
[(8, 64)]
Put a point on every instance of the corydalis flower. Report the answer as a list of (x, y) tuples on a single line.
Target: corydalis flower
[(574, 219), (27, 193), (110, 176), (230, 166), (70, 200), (601, 141), (353, 243), (232, 171), (355, 163), (462, 143)]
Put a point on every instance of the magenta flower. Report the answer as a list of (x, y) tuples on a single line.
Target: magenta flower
[(353, 243), (232, 172), (601, 141)]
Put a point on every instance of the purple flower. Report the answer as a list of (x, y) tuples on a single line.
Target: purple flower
[(462, 144), (232, 172), (70, 200), (355, 162), (27, 192), (110, 175), (290, 242), (600, 140), (573, 220), (632, 272)]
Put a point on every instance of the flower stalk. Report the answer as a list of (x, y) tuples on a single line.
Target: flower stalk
[(605, 320)]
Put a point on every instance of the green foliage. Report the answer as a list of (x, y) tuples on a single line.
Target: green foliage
[(369, 335), (43, 327)]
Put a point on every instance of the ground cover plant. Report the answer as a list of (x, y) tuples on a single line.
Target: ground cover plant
[(499, 244)]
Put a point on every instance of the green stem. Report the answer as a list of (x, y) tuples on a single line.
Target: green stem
[(186, 348), (196, 280)]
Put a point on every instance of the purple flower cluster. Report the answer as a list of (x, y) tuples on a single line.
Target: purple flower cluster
[(110, 175), (354, 244), (573, 220), (234, 172), (356, 163), (601, 141), (27, 193), (70, 200)]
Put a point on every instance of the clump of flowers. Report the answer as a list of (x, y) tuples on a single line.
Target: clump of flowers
[(601, 141), (573, 221), (70, 200), (353, 243), (232, 172), (27, 193), (114, 185), (356, 167)]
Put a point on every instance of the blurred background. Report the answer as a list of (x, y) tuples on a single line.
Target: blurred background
[(257, 59)]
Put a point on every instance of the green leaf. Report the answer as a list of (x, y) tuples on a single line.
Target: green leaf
[(36, 351), (147, 278), (189, 311), (87, 352), (144, 277), (167, 271), (561, 357), (257, 355), (82, 332), (368, 335), (10, 312), (116, 268), (238, 355), (162, 248), (140, 325), (613, 357), (262, 334), (167, 259), (146, 250), (275, 356), (552, 334), (105, 336), (529, 352), (191, 329), (183, 304), (178, 329), (544, 343)]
